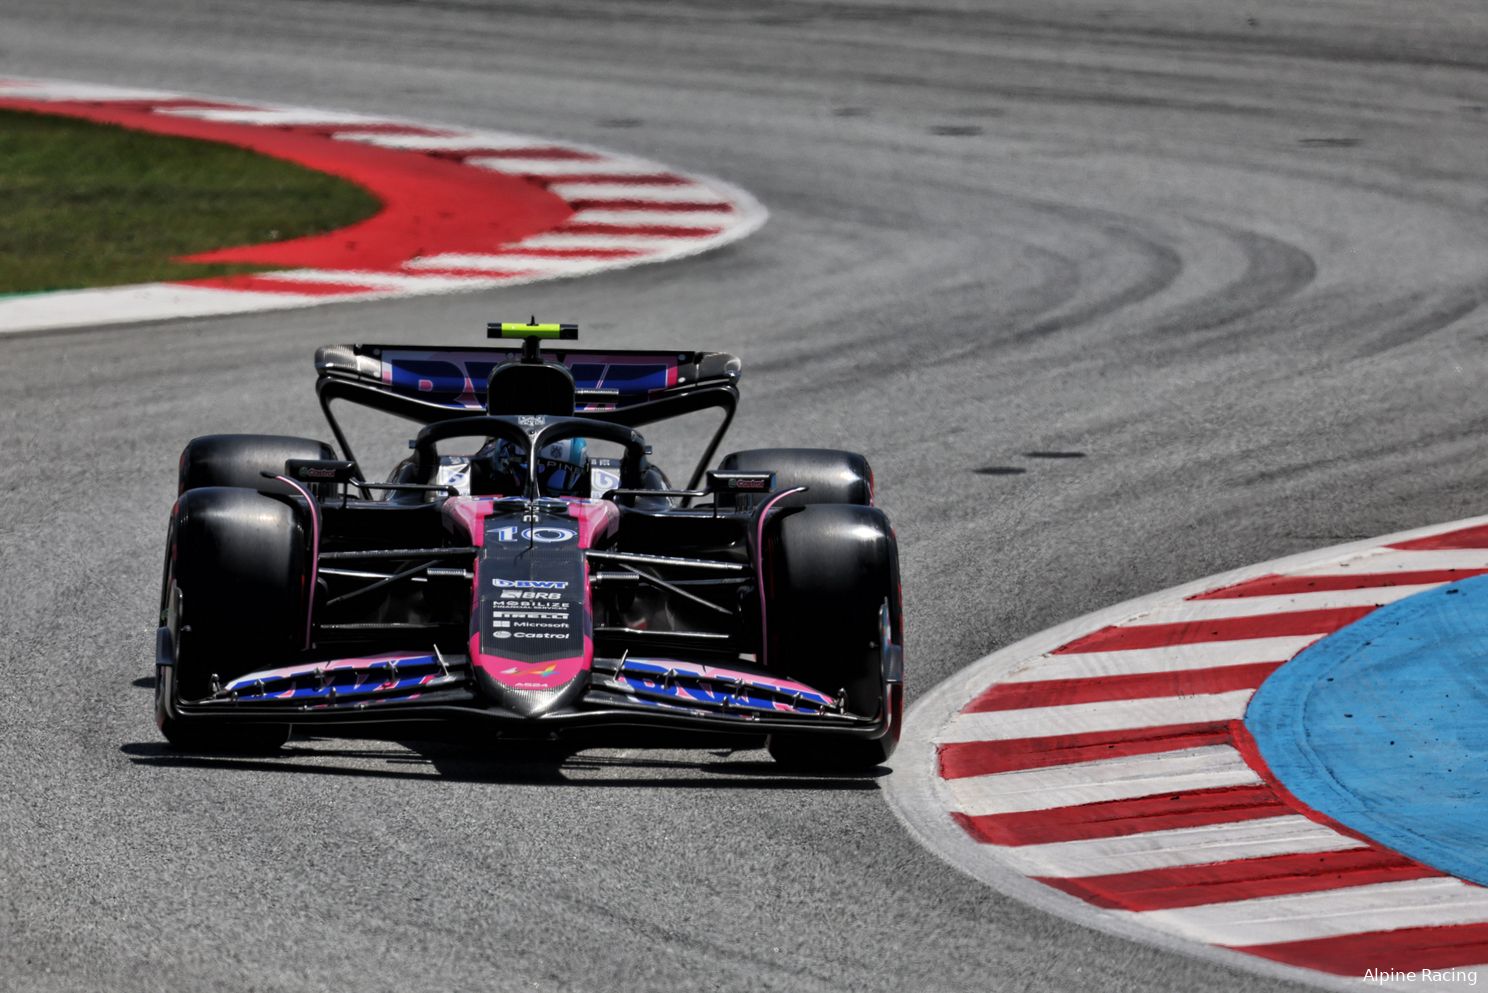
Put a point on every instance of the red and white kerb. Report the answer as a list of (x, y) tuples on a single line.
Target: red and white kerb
[(1108, 762), (462, 209)]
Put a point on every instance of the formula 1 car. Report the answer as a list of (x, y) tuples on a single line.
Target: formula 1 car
[(521, 585)]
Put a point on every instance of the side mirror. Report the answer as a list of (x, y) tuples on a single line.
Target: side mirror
[(320, 470), (736, 488)]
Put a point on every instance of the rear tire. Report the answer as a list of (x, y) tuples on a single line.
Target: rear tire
[(237, 573), (829, 475), (242, 459), (830, 571)]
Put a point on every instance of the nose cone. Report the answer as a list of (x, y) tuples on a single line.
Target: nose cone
[(531, 688), (531, 629)]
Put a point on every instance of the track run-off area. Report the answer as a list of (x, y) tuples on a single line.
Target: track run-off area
[(1112, 299), (461, 209)]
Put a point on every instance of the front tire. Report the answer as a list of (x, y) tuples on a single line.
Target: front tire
[(236, 594), (833, 614)]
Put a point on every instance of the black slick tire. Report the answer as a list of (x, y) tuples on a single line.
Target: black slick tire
[(237, 571), (830, 476), (242, 459), (830, 570)]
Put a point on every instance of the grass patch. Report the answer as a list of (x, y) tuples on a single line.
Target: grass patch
[(84, 204)]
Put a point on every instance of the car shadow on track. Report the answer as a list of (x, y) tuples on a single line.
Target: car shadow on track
[(510, 764)]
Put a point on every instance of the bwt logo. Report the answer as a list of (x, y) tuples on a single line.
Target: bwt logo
[(529, 584)]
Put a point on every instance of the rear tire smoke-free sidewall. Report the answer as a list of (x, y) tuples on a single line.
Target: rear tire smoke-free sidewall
[(829, 475), (242, 459)]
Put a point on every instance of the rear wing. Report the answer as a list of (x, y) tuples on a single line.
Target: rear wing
[(430, 383), (454, 378)]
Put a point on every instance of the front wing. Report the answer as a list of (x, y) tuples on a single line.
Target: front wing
[(432, 687)]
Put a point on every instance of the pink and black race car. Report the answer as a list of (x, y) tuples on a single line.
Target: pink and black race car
[(527, 572)]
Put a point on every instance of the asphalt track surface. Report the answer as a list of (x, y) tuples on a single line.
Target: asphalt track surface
[(1231, 255)]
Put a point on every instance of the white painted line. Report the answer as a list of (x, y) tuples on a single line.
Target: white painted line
[(558, 239), (1125, 778), (271, 117), (1327, 913), (456, 142), (672, 219), (141, 302), (516, 263), (1173, 658), (1256, 606), (1287, 835), (60, 90), (567, 167), (380, 280), (1107, 715), (1396, 560), (691, 193)]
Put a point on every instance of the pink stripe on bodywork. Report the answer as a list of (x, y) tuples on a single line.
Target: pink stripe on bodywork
[(531, 676), (634, 671), (759, 567), (596, 520), (334, 665), (314, 551), (468, 512)]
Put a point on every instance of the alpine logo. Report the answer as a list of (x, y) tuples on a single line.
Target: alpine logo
[(530, 584)]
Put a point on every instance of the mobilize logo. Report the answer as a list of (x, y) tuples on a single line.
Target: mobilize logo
[(529, 584)]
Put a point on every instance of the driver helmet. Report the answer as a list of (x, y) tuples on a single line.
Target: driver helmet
[(562, 467)]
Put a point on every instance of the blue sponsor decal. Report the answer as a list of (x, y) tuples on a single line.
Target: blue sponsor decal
[(338, 682), (439, 381), (459, 379), (688, 685)]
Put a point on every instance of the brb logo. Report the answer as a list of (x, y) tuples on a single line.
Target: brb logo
[(529, 584)]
